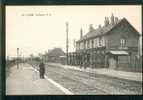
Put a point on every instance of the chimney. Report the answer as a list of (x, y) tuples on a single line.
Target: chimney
[(100, 28), (106, 21), (112, 19), (91, 27), (116, 20), (81, 33)]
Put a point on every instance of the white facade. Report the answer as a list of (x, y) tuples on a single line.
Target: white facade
[(92, 43)]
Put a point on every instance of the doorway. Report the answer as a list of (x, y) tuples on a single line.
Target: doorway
[(112, 63)]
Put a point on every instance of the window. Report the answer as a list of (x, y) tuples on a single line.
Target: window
[(87, 44), (92, 43), (100, 41), (80, 45), (84, 45), (95, 42), (122, 42), (103, 41)]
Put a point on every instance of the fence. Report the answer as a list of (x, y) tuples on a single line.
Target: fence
[(132, 63), (125, 63)]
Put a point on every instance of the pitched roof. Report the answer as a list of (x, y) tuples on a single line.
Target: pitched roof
[(56, 52), (101, 31)]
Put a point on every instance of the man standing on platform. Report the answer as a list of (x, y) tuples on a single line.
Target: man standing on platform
[(42, 69)]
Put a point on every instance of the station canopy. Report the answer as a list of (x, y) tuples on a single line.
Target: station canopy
[(119, 52)]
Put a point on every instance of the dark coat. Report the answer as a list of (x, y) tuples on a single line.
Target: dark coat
[(42, 68)]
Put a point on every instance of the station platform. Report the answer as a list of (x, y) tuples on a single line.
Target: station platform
[(26, 81)]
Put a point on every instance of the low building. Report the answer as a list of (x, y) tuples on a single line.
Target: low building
[(55, 55)]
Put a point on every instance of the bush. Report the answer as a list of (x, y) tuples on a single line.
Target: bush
[(9, 64)]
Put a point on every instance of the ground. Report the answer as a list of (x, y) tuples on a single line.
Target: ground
[(25, 81), (91, 83), (76, 81)]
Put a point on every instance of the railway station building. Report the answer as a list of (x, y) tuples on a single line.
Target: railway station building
[(114, 45)]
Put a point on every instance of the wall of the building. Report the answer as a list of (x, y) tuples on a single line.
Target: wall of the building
[(123, 30), (140, 45), (54, 59), (132, 40)]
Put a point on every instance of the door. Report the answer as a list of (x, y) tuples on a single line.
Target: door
[(112, 63)]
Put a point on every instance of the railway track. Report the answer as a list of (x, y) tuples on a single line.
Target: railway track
[(102, 79), (89, 83), (73, 82)]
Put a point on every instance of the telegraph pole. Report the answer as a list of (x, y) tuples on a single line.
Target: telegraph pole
[(139, 45), (67, 43), (17, 58)]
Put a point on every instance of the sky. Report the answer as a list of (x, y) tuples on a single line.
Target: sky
[(36, 29)]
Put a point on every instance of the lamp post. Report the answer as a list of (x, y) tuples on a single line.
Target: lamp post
[(17, 58), (67, 46), (23, 59)]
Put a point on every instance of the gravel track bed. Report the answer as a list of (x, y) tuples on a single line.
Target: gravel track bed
[(82, 83)]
